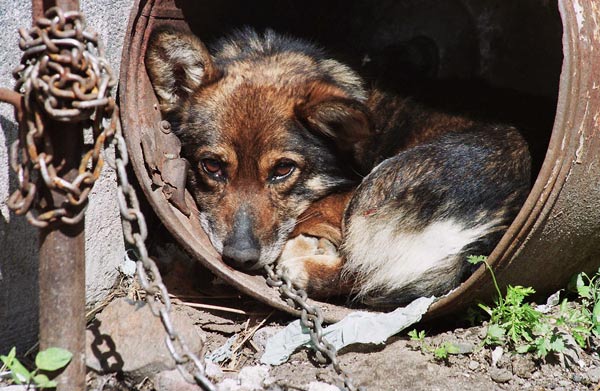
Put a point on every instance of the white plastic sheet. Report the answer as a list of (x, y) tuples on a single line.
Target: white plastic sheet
[(357, 327)]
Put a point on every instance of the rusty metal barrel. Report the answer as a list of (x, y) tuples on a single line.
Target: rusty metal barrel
[(545, 48)]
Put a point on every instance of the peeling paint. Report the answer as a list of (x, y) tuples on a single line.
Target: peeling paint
[(579, 150), (579, 16)]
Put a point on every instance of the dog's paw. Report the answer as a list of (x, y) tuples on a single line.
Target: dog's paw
[(312, 264)]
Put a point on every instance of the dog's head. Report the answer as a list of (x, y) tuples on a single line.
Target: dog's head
[(268, 124)]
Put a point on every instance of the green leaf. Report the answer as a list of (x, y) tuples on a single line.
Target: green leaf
[(582, 289), (596, 313), (542, 347), (476, 259), (416, 335), (53, 359), (557, 344), (522, 349), (487, 309), (441, 353), (42, 381), (451, 348), (19, 373), (495, 333)]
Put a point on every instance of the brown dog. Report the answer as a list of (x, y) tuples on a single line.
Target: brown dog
[(285, 143)]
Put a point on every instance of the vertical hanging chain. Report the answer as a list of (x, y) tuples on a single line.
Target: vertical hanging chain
[(157, 296), (311, 317), (63, 77)]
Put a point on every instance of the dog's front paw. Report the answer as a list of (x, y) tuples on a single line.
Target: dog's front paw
[(313, 264)]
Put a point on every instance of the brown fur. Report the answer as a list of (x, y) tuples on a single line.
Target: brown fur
[(355, 163)]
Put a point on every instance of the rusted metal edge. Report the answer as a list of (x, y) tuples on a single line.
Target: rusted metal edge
[(507, 258)]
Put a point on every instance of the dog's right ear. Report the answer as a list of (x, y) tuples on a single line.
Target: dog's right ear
[(331, 112), (177, 63)]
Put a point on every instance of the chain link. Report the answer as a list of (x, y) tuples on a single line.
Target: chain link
[(136, 232), (311, 317), (65, 78)]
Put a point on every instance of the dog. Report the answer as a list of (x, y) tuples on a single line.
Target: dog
[(349, 190)]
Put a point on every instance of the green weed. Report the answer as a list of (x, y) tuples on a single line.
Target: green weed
[(516, 324), (440, 352), (49, 360)]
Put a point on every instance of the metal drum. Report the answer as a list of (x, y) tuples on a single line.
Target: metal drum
[(512, 44)]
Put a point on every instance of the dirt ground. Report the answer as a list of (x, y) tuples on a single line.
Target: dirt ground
[(400, 364)]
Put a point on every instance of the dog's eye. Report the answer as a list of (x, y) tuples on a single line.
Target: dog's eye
[(213, 168), (282, 170)]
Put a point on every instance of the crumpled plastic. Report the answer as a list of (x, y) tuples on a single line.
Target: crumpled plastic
[(357, 327), (224, 352)]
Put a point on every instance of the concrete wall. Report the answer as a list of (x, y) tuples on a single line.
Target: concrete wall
[(18, 241)]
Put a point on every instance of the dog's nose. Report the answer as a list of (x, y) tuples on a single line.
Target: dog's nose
[(241, 249), (242, 253)]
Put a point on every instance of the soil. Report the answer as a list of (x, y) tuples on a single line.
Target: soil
[(400, 364)]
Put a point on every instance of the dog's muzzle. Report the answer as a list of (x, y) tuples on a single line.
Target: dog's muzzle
[(241, 249)]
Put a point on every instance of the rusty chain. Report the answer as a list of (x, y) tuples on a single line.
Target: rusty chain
[(63, 77), (311, 318), (157, 296)]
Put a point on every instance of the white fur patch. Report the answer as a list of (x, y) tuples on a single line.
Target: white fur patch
[(386, 259), (214, 239), (322, 184), (301, 250)]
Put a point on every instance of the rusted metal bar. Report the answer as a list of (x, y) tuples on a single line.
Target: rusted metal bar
[(62, 252), (62, 272)]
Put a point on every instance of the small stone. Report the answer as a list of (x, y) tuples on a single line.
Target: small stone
[(594, 375), (497, 355), (482, 332), (253, 377), (523, 366), (473, 365), (13, 388), (320, 386), (128, 338), (172, 381), (500, 375), (577, 378), (228, 385), (564, 383), (213, 371), (464, 347)]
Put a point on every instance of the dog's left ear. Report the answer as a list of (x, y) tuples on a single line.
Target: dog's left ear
[(178, 63), (344, 120)]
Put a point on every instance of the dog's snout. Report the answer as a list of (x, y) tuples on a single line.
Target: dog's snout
[(241, 249)]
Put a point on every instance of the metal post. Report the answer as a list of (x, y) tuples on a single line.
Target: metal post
[(62, 273), (62, 253)]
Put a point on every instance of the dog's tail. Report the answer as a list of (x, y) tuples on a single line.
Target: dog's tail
[(416, 217)]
